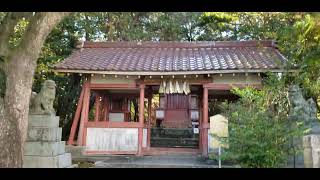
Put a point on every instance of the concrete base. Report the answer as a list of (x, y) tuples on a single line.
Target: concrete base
[(60, 161)]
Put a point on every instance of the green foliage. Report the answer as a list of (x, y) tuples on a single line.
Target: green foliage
[(297, 35), (2, 15), (18, 32), (260, 132)]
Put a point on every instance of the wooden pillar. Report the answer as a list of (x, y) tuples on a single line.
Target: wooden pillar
[(97, 103), (84, 113), (76, 119), (141, 119), (106, 108), (149, 118), (205, 124)]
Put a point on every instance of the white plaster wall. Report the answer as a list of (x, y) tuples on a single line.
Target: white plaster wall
[(145, 135), (238, 78), (108, 79), (112, 139)]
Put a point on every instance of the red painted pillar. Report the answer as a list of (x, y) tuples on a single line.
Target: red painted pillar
[(84, 113), (141, 119), (106, 108), (76, 119), (205, 124), (98, 103), (149, 119)]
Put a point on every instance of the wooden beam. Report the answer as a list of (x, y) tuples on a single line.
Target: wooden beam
[(76, 119), (190, 81), (110, 124), (84, 113), (221, 86), (113, 86)]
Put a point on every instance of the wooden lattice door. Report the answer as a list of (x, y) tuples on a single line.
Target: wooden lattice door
[(176, 111)]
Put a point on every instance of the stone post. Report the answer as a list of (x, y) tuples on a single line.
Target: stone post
[(311, 151)]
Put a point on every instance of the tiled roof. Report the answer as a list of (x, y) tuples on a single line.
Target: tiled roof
[(174, 57)]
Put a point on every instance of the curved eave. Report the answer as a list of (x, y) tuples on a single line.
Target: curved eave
[(155, 73)]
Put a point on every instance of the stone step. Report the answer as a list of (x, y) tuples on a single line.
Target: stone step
[(44, 134), (44, 148), (165, 161), (173, 133), (151, 165), (59, 161), (46, 121), (174, 142)]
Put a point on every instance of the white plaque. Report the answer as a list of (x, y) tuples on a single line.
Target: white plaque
[(159, 114), (196, 130), (194, 115), (195, 123)]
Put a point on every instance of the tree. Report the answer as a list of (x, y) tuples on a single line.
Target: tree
[(260, 132), (18, 63)]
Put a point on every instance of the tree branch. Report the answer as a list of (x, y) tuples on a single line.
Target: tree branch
[(7, 28), (41, 24)]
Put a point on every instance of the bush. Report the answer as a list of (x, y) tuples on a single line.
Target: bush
[(260, 134)]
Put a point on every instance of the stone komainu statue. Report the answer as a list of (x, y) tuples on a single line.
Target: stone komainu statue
[(305, 110), (42, 103)]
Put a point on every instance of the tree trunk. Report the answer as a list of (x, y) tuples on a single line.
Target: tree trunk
[(20, 67)]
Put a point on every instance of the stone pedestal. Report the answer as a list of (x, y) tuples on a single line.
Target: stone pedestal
[(218, 130), (311, 151), (43, 147)]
